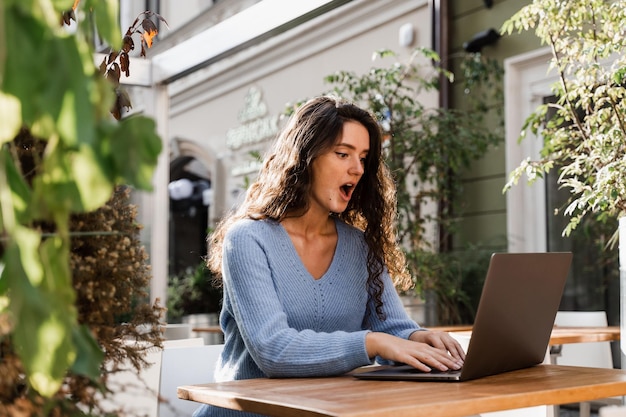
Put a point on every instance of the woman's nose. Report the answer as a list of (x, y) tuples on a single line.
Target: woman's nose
[(356, 167)]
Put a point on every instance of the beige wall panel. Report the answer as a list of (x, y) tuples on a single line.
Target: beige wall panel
[(483, 196), (485, 178), (463, 7), (465, 26), (488, 230), (492, 164)]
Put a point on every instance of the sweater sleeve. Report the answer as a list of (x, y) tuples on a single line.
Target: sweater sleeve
[(278, 349), (397, 322)]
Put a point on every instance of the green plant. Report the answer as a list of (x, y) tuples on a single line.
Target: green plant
[(460, 275), (583, 131), (427, 150), (193, 292), (61, 154)]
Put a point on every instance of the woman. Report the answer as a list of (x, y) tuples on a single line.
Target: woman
[(306, 260)]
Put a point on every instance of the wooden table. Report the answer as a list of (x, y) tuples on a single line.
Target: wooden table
[(346, 396), (560, 335), (565, 335), (207, 329)]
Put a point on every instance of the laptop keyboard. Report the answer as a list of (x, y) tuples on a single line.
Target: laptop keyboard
[(435, 371)]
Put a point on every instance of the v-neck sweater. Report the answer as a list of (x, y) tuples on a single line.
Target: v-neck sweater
[(280, 322)]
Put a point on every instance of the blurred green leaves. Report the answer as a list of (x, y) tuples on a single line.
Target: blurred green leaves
[(51, 93)]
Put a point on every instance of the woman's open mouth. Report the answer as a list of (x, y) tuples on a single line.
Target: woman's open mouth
[(346, 191)]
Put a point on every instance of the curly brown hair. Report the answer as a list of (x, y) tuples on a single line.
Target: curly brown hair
[(283, 185)]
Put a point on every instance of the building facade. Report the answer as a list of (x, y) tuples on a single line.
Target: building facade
[(223, 72)]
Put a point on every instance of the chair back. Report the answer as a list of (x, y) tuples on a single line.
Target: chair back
[(185, 366), (596, 354)]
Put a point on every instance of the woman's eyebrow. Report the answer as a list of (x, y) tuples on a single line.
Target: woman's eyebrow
[(349, 145)]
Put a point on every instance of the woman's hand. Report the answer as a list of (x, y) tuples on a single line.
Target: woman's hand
[(425, 350), (440, 340)]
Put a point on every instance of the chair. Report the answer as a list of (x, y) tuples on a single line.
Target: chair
[(595, 355), (612, 411), (152, 391), (185, 366), (135, 393)]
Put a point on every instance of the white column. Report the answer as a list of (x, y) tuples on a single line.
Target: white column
[(157, 107)]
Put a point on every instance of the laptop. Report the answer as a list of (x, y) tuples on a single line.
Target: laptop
[(514, 320)]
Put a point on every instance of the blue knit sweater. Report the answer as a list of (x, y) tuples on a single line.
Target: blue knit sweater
[(280, 322)]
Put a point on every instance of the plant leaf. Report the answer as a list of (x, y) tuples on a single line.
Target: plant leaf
[(72, 181), (106, 12), (10, 117), (24, 46), (44, 317), (135, 147), (75, 120), (92, 180), (18, 193), (89, 355)]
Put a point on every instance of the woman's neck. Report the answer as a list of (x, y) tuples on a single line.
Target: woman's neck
[(310, 224)]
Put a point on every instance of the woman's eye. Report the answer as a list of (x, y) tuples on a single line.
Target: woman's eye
[(341, 154)]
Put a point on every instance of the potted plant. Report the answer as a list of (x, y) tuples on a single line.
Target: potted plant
[(194, 291), (194, 297)]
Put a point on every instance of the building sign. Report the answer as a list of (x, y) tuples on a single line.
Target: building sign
[(255, 126), (246, 168)]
